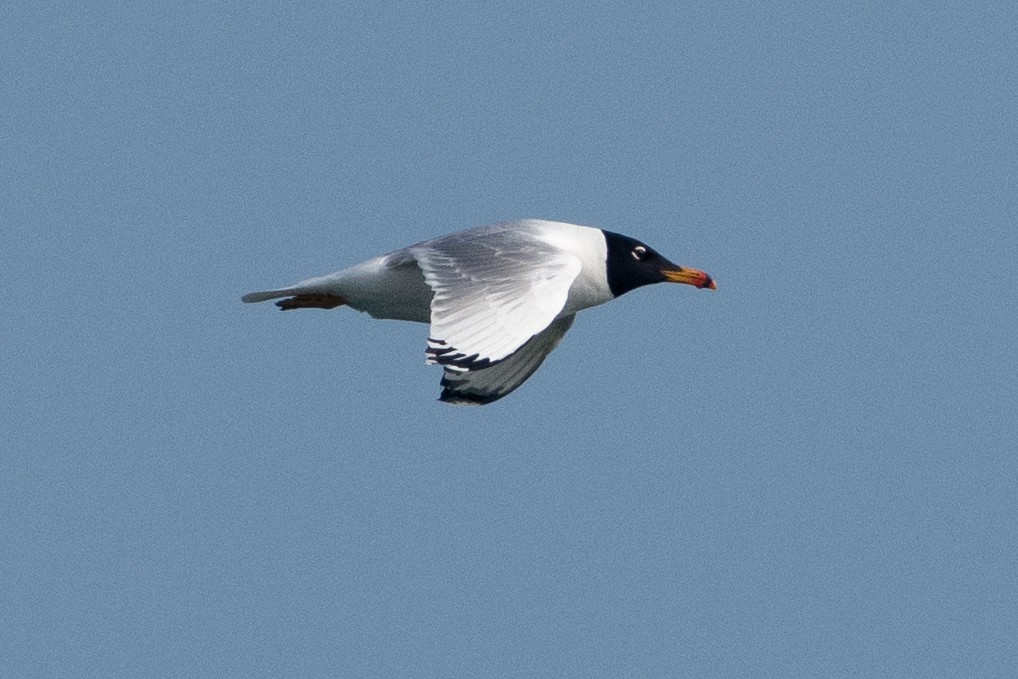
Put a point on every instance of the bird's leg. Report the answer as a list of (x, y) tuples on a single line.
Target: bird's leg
[(316, 300)]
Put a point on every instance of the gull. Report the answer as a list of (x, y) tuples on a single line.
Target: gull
[(498, 298)]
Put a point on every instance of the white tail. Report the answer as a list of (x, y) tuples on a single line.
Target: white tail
[(268, 294)]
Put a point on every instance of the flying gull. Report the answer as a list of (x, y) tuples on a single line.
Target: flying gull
[(498, 298)]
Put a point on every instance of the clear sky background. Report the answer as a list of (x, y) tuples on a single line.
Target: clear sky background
[(811, 472)]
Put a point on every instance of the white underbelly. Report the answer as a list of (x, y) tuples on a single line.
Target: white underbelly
[(398, 294)]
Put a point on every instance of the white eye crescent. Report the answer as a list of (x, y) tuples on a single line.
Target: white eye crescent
[(639, 253)]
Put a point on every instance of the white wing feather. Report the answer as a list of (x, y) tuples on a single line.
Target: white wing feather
[(494, 289)]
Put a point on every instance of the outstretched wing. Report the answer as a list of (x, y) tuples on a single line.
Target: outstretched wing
[(495, 288), (479, 387)]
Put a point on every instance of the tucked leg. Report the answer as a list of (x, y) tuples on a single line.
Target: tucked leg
[(318, 300)]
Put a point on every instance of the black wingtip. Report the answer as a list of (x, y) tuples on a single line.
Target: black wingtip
[(458, 398), (443, 354), (465, 398)]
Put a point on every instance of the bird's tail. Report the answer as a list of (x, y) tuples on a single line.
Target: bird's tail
[(312, 294), (267, 294)]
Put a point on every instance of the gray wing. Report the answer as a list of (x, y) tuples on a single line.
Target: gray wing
[(495, 288), (479, 387)]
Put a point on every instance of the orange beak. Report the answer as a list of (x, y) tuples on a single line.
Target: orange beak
[(693, 277)]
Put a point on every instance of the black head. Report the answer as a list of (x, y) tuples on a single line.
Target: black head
[(631, 265)]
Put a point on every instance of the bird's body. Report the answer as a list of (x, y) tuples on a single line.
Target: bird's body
[(498, 298)]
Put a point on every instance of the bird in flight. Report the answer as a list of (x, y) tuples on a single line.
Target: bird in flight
[(498, 298)]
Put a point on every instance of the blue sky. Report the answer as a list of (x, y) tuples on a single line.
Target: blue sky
[(809, 473)]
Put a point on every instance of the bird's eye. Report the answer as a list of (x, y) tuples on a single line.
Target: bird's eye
[(639, 253)]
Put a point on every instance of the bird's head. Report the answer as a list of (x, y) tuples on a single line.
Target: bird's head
[(631, 264)]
